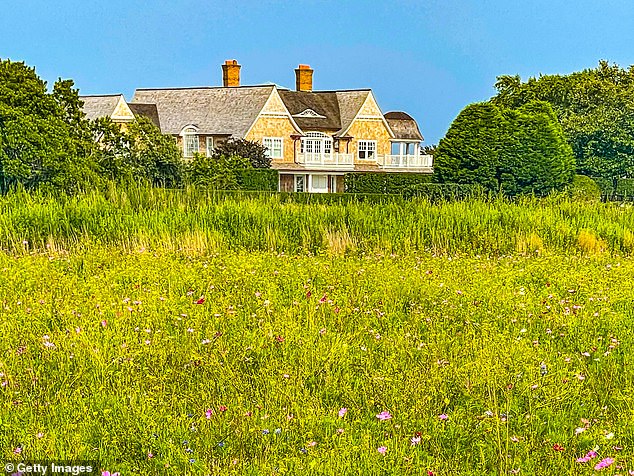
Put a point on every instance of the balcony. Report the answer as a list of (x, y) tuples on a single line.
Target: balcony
[(396, 162), (332, 160)]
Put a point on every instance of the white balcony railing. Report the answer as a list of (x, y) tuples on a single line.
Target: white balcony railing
[(405, 161), (326, 160)]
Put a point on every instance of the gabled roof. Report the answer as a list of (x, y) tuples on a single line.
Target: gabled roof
[(100, 106), (147, 110), (350, 103), (403, 126), (324, 104), (219, 110), (337, 108)]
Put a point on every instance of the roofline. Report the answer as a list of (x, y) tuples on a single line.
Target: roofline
[(206, 87), (100, 95)]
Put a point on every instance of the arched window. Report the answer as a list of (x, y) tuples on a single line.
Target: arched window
[(190, 141)]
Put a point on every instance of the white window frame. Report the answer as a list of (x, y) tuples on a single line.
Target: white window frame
[(209, 145), (274, 147), (367, 148), (191, 143)]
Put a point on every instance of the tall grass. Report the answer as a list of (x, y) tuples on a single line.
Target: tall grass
[(173, 219)]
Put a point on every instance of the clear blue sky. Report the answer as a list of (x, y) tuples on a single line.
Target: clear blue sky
[(429, 57)]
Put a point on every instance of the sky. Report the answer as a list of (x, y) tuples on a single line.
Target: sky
[(429, 58)]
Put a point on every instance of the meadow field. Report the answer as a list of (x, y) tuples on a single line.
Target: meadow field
[(186, 332)]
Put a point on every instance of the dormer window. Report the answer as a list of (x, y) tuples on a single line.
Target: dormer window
[(190, 141)]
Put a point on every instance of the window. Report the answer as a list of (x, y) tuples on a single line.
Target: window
[(190, 142), (210, 146), (367, 149), (299, 183), (273, 146)]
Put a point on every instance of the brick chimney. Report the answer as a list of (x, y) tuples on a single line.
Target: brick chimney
[(304, 78), (231, 74)]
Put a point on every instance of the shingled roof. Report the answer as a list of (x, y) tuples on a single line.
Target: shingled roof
[(228, 111), (403, 125), (336, 108), (147, 110), (99, 106)]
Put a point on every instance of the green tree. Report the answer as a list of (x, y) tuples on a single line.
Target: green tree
[(217, 172), (515, 151), (43, 137), (255, 152)]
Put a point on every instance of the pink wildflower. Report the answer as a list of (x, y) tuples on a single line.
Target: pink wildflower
[(104, 323), (589, 455), (208, 413), (384, 415), (382, 449), (415, 440), (442, 416), (604, 463), (342, 412)]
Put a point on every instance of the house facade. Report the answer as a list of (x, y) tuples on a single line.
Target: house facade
[(313, 137)]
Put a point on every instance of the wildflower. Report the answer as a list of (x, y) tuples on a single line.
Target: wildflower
[(609, 436), (206, 341), (150, 455), (604, 463), (279, 339), (40, 435), (322, 331), (415, 440), (543, 370), (190, 330), (222, 408), (208, 413), (558, 447), (342, 412), (265, 432), (588, 456), (579, 430), (17, 450), (384, 415), (311, 444), (323, 299), (104, 323), (108, 473), (340, 431), (442, 417), (278, 431), (585, 354), (201, 300), (382, 449)]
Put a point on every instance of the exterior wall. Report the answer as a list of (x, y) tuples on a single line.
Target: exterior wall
[(275, 127), (340, 184), (274, 105), (369, 129), (370, 107)]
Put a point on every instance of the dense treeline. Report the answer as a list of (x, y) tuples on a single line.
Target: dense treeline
[(514, 141), (595, 108), (47, 142)]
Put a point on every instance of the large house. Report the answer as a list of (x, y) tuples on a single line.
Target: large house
[(313, 138)]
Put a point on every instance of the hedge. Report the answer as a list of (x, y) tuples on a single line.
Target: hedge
[(396, 183), (257, 179)]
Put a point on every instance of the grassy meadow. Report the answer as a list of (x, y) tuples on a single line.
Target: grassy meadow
[(185, 332)]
